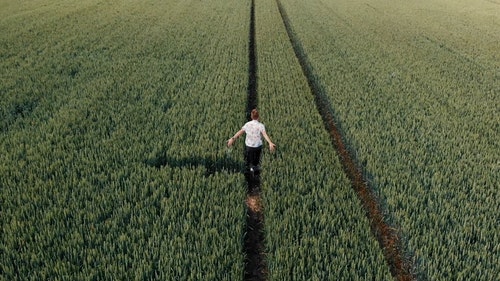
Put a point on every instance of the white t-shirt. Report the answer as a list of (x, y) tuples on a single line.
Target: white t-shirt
[(253, 130)]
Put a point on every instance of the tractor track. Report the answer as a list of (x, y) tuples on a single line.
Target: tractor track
[(253, 244), (400, 265)]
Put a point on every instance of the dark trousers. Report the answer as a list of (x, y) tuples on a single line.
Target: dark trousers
[(252, 156)]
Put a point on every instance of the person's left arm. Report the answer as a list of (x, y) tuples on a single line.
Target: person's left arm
[(272, 146)]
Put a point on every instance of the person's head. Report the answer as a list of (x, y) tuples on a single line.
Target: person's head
[(254, 114)]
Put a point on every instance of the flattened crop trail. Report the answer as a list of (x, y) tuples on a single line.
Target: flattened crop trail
[(255, 265), (252, 65), (401, 267)]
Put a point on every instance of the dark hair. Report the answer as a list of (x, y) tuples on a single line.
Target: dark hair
[(254, 114)]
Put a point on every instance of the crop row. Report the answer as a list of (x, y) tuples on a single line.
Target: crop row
[(416, 93), (119, 170), (316, 228)]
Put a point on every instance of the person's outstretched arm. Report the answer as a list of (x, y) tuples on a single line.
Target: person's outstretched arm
[(272, 146), (231, 141)]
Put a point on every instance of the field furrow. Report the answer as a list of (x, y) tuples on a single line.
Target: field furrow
[(254, 240)]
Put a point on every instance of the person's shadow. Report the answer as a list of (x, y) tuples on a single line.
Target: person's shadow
[(211, 164)]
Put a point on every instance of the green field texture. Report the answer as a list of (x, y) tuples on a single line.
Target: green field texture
[(315, 226), (415, 87), (114, 116)]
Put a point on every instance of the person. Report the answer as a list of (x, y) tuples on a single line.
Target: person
[(253, 141)]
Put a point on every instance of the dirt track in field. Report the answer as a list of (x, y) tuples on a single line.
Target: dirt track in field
[(255, 262), (400, 265), (254, 246)]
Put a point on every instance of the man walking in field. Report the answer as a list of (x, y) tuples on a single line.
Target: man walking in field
[(253, 142)]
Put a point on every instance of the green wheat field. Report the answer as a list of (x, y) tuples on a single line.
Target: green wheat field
[(114, 116)]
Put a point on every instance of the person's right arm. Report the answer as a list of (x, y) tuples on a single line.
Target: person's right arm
[(231, 141)]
